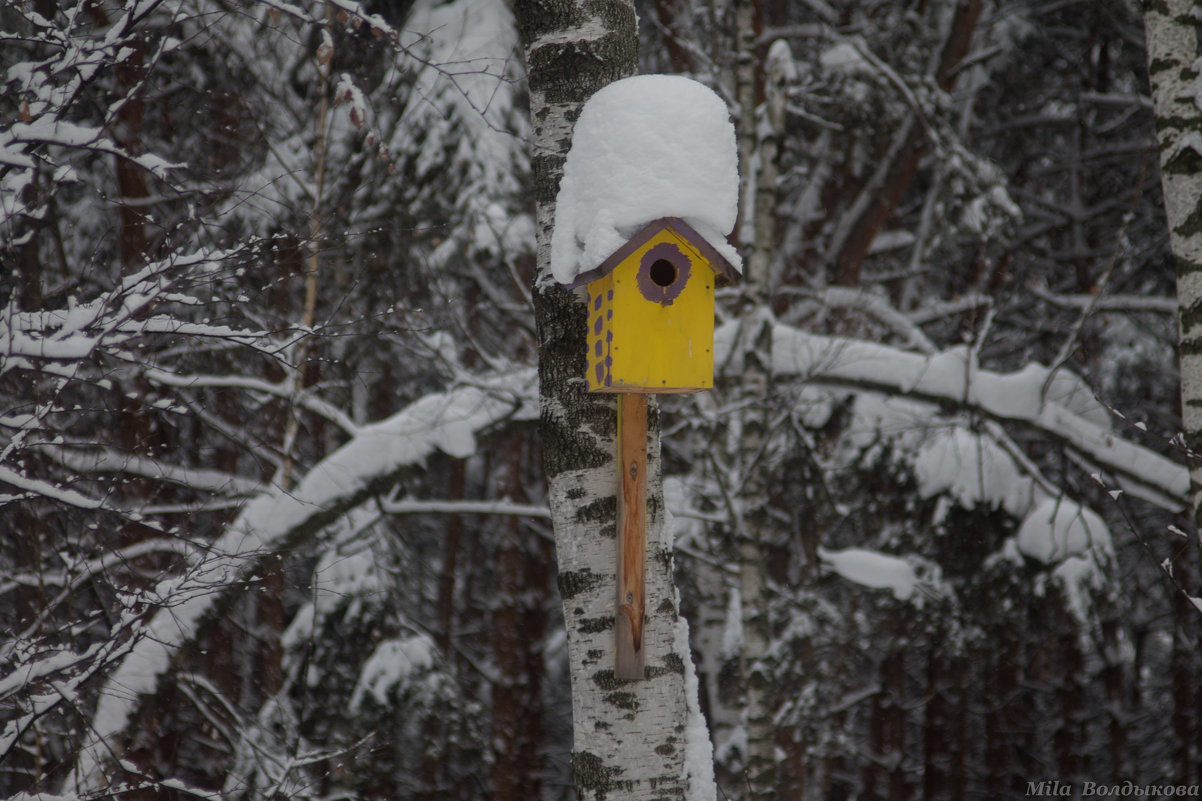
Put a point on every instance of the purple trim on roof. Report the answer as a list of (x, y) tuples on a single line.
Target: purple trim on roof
[(720, 265)]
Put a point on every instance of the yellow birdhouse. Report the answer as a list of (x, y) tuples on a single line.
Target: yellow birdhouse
[(651, 312)]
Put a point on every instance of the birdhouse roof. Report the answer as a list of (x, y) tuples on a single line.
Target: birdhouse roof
[(716, 261)]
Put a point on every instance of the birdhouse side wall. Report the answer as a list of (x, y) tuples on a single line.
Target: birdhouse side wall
[(600, 334)]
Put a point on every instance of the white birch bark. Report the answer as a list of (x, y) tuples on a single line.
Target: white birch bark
[(1173, 30), (631, 739), (759, 124)]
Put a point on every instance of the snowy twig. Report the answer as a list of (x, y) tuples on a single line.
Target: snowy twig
[(305, 399), (878, 309), (931, 312)]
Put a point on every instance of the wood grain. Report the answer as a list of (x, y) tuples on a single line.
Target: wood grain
[(631, 598)]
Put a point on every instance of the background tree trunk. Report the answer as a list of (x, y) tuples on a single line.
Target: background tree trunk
[(1173, 50), (753, 385)]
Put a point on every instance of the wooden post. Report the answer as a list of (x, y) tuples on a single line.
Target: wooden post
[(632, 535)]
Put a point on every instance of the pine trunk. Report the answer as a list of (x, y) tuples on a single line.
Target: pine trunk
[(519, 623)]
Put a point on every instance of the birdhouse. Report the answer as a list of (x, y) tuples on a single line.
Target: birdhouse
[(651, 312)]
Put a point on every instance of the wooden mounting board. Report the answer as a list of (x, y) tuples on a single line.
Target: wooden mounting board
[(632, 537)]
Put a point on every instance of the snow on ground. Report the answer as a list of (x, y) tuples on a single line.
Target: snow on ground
[(645, 147)]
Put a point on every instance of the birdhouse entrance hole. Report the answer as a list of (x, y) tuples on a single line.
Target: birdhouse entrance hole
[(663, 272)]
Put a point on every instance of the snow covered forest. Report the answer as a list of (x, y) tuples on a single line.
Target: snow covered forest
[(291, 466)]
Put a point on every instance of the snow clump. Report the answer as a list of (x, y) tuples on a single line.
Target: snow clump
[(872, 569), (1058, 528), (643, 148)]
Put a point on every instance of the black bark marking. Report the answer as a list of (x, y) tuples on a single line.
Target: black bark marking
[(572, 583)]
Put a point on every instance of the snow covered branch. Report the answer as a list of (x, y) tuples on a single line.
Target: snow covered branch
[(280, 389), (30, 338), (363, 467), (411, 506), (1123, 303), (952, 376)]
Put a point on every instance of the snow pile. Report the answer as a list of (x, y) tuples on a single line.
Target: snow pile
[(1058, 528), (645, 147)]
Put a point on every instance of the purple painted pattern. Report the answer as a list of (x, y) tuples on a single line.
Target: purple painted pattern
[(664, 295), (601, 361)]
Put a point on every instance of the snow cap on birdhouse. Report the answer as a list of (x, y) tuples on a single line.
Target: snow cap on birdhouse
[(649, 191)]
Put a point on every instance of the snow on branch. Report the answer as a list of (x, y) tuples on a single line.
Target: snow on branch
[(28, 339), (875, 307), (55, 676), (500, 506), (873, 569), (349, 12), (105, 460), (365, 466), (47, 134), (1122, 303), (952, 376), (79, 572), (281, 389)]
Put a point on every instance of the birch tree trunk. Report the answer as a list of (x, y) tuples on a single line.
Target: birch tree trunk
[(757, 156), (1173, 50), (642, 739)]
